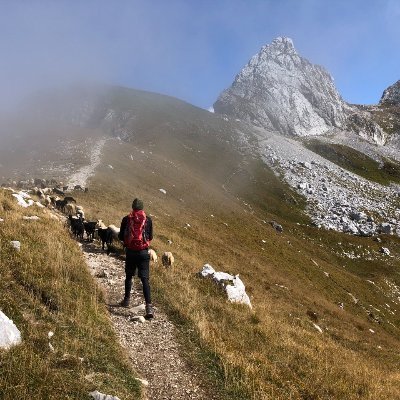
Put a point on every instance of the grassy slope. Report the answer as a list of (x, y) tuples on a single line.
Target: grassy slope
[(384, 173), (274, 352), (46, 287)]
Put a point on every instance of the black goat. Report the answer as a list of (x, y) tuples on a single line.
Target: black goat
[(77, 227), (69, 199), (90, 228), (105, 237)]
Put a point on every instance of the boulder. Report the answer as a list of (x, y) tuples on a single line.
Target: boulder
[(232, 284), (358, 216), (385, 251), (96, 395), (9, 333), (385, 228)]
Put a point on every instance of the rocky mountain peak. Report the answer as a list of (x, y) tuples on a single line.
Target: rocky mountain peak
[(282, 45), (280, 90), (391, 95)]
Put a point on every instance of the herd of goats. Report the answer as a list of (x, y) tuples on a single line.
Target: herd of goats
[(79, 226)]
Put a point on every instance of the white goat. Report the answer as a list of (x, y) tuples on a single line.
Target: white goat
[(70, 209), (153, 255), (167, 259), (114, 230)]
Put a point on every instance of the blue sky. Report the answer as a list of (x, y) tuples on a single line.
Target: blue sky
[(192, 49)]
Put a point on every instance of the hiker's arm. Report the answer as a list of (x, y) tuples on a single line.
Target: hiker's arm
[(122, 229), (149, 228)]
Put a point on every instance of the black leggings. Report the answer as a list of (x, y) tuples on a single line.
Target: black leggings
[(139, 260)]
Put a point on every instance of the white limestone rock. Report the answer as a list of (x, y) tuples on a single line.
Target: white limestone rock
[(16, 244), (96, 395), (385, 251), (21, 200), (9, 333), (30, 218), (232, 284)]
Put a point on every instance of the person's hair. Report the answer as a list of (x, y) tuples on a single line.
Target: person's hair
[(137, 204)]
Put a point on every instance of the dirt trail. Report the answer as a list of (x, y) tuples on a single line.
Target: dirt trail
[(152, 346)]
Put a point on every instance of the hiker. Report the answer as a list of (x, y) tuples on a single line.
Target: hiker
[(136, 233)]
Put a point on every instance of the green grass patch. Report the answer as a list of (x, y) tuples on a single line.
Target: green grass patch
[(354, 161)]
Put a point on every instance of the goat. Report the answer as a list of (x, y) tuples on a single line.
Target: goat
[(105, 237), (58, 191), (79, 211), (69, 199), (107, 234), (153, 255), (77, 226), (90, 227), (70, 209), (167, 259), (47, 201)]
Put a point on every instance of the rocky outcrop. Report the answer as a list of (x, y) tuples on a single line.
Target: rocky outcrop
[(282, 91), (391, 95), (362, 122)]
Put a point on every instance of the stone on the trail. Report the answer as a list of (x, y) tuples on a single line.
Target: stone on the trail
[(143, 381), (163, 191), (138, 308), (1, 220), (9, 333), (16, 244), (103, 274), (138, 318), (101, 396)]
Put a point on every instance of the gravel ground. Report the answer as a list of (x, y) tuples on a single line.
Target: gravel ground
[(152, 346)]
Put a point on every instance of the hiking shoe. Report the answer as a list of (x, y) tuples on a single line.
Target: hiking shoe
[(149, 311), (124, 302)]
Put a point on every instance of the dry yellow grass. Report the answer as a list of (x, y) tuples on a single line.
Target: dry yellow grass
[(47, 287)]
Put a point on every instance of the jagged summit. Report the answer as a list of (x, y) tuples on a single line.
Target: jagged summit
[(280, 90), (391, 95), (281, 44)]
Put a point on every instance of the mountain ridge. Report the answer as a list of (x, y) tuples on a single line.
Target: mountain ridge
[(280, 90)]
